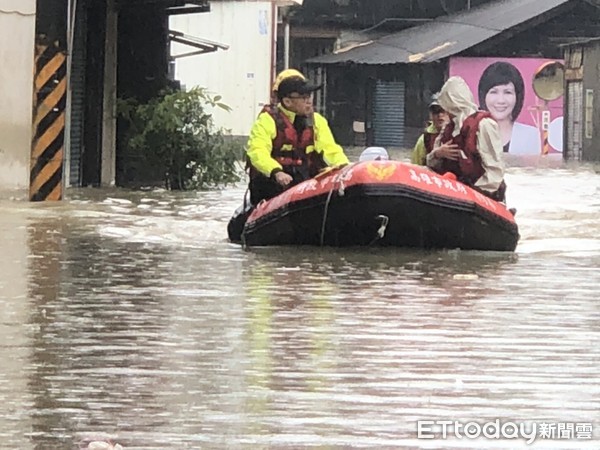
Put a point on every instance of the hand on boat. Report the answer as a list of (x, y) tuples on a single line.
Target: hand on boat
[(283, 178), (448, 150)]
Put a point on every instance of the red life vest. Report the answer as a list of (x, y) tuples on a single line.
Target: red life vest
[(467, 170), (429, 140), (295, 161)]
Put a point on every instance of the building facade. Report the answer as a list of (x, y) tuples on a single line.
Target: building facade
[(582, 86), (17, 26), (378, 90), (67, 64), (241, 74)]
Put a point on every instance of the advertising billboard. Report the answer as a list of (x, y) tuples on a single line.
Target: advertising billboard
[(524, 95)]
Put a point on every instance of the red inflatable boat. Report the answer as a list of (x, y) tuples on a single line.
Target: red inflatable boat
[(386, 203)]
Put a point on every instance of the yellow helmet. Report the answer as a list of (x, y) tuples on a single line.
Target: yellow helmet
[(287, 73)]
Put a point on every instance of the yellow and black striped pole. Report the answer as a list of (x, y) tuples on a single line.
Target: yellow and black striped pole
[(545, 128), (50, 98)]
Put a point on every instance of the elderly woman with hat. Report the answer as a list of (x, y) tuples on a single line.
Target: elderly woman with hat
[(470, 145)]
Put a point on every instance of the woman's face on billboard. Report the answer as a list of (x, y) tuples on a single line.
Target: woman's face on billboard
[(500, 101)]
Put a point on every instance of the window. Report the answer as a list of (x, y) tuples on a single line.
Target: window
[(574, 57)]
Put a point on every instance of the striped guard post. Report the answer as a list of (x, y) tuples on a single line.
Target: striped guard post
[(50, 98), (545, 143)]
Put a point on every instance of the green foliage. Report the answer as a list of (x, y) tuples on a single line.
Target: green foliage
[(173, 139)]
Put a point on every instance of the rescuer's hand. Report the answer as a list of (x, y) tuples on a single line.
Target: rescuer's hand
[(447, 150), (283, 179)]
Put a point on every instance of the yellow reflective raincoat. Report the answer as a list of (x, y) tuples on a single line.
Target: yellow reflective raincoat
[(264, 131)]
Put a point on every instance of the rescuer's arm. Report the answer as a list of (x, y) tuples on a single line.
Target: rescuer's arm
[(260, 145), (325, 143)]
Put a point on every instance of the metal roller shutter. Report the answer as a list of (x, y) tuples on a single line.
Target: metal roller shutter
[(77, 96), (388, 114)]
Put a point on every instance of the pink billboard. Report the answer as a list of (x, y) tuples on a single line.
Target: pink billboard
[(530, 118)]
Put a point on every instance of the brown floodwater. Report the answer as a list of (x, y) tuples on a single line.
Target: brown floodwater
[(128, 314)]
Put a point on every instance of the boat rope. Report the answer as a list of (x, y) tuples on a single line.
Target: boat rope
[(246, 203), (385, 220), (243, 241), (325, 213), (341, 192), (342, 188), (246, 197)]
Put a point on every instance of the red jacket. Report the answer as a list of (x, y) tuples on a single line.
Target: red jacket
[(429, 141), (468, 170)]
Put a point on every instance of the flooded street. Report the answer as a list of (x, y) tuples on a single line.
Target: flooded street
[(129, 314)]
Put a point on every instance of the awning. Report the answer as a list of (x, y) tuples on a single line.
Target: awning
[(201, 45), (446, 36), (172, 6), (288, 2), (189, 7)]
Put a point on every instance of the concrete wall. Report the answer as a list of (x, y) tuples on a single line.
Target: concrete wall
[(241, 74), (17, 33), (591, 102)]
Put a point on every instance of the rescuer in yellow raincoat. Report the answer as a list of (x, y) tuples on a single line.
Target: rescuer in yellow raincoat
[(289, 142)]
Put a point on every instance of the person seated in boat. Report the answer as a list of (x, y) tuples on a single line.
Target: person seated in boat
[(289, 142), (469, 146), (437, 120)]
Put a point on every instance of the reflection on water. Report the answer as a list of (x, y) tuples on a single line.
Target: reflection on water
[(129, 314)]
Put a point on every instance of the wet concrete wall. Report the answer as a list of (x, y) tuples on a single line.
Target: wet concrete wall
[(17, 33), (591, 112)]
